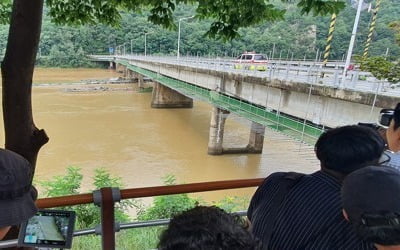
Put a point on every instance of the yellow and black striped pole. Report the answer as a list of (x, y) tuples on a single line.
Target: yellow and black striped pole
[(329, 40), (371, 28)]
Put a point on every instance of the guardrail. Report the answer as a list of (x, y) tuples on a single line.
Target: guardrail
[(302, 71), (106, 197)]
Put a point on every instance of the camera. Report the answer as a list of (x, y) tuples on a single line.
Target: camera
[(385, 117)]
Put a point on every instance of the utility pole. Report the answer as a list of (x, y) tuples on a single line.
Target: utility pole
[(329, 41), (371, 28)]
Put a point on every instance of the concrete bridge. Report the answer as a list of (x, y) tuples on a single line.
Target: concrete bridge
[(290, 96)]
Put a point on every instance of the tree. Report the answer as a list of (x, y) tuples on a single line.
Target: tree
[(396, 27), (381, 69)]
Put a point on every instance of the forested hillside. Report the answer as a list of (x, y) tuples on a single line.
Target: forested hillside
[(297, 36)]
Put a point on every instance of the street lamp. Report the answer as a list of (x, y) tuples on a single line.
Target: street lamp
[(131, 47), (179, 32), (353, 37), (145, 42)]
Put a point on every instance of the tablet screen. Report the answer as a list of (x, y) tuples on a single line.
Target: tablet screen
[(48, 228)]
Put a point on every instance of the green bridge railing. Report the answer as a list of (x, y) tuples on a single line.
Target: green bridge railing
[(294, 128)]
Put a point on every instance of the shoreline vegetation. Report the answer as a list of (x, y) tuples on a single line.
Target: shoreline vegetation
[(162, 207)]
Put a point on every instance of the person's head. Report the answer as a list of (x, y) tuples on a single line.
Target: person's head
[(348, 148), (393, 132), (207, 228), (17, 195), (371, 203)]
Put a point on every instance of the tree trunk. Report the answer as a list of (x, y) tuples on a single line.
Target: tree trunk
[(21, 134)]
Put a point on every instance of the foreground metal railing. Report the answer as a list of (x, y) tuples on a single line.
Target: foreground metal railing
[(106, 197)]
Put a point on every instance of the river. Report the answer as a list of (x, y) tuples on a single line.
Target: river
[(113, 126)]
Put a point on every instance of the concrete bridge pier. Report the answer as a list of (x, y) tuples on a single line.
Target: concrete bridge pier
[(216, 138), (256, 140), (120, 68), (140, 81), (217, 124), (111, 65), (164, 97), (128, 74)]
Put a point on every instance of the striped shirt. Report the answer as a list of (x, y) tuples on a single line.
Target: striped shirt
[(310, 216), (394, 159)]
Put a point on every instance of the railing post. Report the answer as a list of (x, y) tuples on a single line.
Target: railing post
[(354, 78), (336, 77), (105, 198)]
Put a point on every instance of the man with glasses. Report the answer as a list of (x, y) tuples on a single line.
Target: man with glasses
[(390, 119), (308, 214)]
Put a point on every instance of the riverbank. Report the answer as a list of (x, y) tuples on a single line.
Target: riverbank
[(71, 75)]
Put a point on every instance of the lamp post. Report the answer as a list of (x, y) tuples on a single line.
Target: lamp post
[(131, 46), (179, 33), (145, 42), (352, 39)]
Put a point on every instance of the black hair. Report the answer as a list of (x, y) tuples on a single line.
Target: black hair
[(348, 148), (396, 116), (207, 228)]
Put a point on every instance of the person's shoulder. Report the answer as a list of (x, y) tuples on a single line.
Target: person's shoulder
[(274, 177), (277, 177)]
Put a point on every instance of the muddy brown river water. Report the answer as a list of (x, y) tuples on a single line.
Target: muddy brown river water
[(115, 128)]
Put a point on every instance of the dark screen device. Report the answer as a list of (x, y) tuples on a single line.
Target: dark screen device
[(385, 117), (48, 228)]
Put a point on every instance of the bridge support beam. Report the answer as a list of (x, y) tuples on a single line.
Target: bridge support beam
[(256, 140), (217, 124), (164, 97)]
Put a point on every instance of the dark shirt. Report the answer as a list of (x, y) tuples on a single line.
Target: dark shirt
[(310, 216)]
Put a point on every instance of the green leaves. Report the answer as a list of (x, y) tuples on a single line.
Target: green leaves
[(227, 16), (78, 12), (167, 206), (88, 215), (64, 185), (320, 7), (5, 11), (231, 15), (395, 26), (381, 68)]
